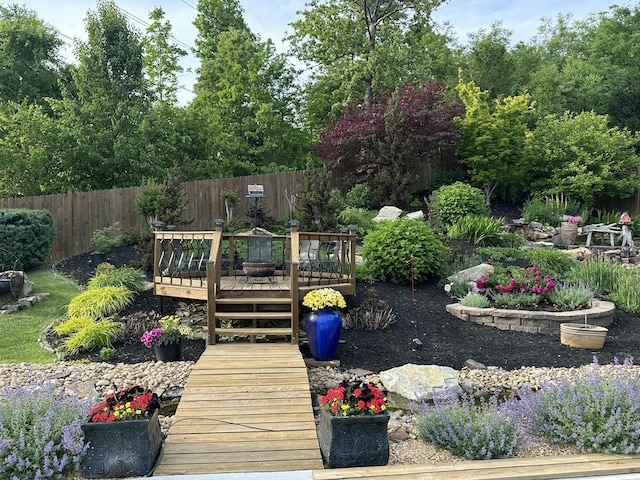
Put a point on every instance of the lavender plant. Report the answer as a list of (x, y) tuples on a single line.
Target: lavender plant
[(40, 435), (477, 432), (595, 410)]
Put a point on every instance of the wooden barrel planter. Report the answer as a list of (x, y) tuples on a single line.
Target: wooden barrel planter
[(580, 335)]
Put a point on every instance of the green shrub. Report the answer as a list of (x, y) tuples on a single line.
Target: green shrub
[(571, 296), (553, 262), (107, 238), (360, 217), (100, 302), (25, 236), (625, 293), (503, 254), (475, 300), (107, 353), (130, 278), (359, 196), (601, 277), (99, 333), (451, 202), (479, 230), (538, 210), (476, 432), (387, 250)]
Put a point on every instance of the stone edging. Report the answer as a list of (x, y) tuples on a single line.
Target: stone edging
[(600, 313)]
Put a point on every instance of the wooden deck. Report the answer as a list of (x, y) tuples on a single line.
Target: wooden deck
[(246, 408)]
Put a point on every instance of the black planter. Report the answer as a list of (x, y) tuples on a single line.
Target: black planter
[(121, 449), (169, 352), (354, 441)]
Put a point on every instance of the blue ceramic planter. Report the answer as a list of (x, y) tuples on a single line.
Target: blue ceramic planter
[(323, 332)]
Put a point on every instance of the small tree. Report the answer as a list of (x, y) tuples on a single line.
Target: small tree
[(318, 207), (147, 202), (172, 200), (231, 200)]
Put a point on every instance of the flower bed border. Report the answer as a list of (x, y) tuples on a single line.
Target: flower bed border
[(600, 313)]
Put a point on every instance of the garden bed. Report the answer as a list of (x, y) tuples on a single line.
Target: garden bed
[(531, 321)]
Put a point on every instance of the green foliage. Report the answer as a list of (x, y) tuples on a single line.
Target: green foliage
[(516, 299), (451, 202), (147, 202), (541, 211), (571, 296), (474, 300), (316, 208), (447, 177), (479, 230), (499, 254), (493, 142), (100, 302), (359, 196), (625, 294), (553, 262), (107, 238), (476, 432), (107, 353), (73, 325), (131, 278), (580, 156), (599, 276), (172, 200), (98, 333), (387, 250), (25, 236), (360, 217)]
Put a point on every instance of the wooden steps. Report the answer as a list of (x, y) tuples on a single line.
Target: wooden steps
[(256, 314), (244, 409)]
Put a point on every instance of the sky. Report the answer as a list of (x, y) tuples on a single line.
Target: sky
[(271, 18)]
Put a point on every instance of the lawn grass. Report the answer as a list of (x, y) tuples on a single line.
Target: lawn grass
[(20, 331)]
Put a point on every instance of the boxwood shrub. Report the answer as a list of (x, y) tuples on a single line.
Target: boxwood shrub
[(26, 236)]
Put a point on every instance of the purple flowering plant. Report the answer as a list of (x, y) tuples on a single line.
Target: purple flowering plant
[(40, 433), (170, 330)]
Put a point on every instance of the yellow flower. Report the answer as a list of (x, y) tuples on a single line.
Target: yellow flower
[(324, 298)]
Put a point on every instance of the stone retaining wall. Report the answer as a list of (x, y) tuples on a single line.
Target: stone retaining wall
[(600, 313)]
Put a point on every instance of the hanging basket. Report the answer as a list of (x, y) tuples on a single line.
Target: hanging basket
[(580, 335)]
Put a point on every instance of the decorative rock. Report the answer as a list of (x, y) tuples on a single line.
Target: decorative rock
[(473, 365), (419, 215), (471, 274), (421, 382), (388, 213)]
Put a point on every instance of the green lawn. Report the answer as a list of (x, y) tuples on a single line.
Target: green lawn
[(20, 331)]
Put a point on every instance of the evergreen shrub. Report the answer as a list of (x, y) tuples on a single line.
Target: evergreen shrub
[(452, 202)]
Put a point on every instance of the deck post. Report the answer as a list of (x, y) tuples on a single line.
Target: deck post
[(352, 255)]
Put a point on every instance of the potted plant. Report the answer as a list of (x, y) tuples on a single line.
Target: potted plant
[(323, 323), (124, 436), (105, 240), (353, 425), (166, 338), (569, 229)]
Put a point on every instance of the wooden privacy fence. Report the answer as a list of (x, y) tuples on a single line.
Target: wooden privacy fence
[(76, 215)]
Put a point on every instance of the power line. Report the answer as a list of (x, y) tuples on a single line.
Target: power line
[(146, 24)]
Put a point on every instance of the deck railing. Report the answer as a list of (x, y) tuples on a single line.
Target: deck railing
[(187, 260)]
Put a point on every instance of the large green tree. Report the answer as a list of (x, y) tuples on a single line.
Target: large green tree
[(359, 47), (30, 63), (493, 140), (582, 157)]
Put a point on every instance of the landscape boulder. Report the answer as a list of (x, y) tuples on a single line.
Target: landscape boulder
[(388, 213), (421, 382)]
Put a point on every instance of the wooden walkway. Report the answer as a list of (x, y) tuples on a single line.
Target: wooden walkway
[(246, 408)]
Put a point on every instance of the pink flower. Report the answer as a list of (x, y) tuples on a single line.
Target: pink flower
[(447, 287)]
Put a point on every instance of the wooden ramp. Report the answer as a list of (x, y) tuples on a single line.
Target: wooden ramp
[(246, 408)]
